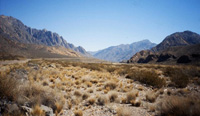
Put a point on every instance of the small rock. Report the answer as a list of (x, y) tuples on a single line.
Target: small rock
[(48, 111), (26, 109)]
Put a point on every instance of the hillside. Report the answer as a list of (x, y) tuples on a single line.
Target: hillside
[(178, 39), (10, 50), (123, 51), (180, 47), (14, 29)]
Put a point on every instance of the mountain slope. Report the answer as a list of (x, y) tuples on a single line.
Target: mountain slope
[(14, 29), (10, 49), (123, 52), (178, 39), (180, 47)]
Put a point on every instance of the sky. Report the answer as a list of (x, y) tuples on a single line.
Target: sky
[(98, 24)]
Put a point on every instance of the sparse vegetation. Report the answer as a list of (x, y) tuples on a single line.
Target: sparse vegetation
[(69, 86)]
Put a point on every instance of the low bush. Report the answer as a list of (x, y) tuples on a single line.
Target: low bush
[(178, 76), (147, 77)]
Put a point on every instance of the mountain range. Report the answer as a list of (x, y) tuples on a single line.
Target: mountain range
[(123, 51), (13, 29), (179, 47)]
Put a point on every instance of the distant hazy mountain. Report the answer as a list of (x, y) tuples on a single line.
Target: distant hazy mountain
[(14, 29), (92, 53), (180, 47), (123, 51)]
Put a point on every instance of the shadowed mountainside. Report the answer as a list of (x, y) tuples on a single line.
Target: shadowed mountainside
[(180, 47)]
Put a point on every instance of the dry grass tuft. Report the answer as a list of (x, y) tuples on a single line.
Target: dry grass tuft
[(91, 100), (78, 113), (85, 96), (77, 93), (102, 100), (113, 96), (90, 90), (45, 83), (111, 85), (151, 96), (122, 111), (8, 88), (136, 102), (59, 107), (131, 96), (37, 111), (69, 104), (88, 84), (179, 106)]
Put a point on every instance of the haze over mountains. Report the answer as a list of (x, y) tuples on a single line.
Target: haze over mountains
[(123, 51), (13, 29), (179, 47)]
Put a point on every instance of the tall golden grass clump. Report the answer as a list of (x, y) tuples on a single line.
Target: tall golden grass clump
[(131, 96), (179, 106)]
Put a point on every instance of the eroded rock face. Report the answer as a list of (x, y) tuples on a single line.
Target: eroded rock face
[(183, 59)]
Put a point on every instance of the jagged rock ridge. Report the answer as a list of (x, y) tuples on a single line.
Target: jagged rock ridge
[(14, 29)]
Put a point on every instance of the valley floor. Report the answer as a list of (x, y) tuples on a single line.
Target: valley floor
[(74, 88)]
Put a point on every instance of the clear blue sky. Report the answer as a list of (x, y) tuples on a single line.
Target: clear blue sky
[(97, 24)]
